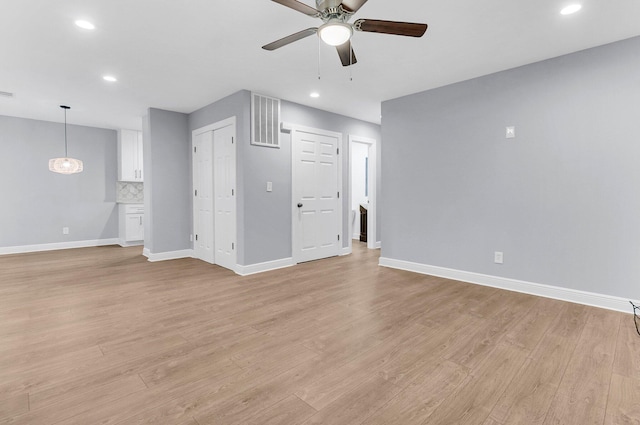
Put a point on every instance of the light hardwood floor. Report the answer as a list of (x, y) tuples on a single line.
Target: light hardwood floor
[(100, 336)]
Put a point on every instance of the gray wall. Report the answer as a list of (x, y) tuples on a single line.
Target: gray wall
[(264, 218), (167, 175), (36, 203), (560, 200)]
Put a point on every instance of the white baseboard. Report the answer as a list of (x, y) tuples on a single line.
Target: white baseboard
[(264, 267), (346, 250), (58, 245), (125, 244), (564, 294), (170, 255)]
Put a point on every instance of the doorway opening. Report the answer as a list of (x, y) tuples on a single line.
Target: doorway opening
[(362, 191)]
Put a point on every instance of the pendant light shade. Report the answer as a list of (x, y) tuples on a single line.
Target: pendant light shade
[(65, 165)]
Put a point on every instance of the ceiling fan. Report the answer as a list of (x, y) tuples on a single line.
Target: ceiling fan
[(337, 31)]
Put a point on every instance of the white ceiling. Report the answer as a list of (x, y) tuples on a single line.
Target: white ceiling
[(181, 55)]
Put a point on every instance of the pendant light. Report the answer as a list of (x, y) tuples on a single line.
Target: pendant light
[(65, 165)]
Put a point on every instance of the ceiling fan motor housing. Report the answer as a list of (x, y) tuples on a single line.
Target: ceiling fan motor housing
[(326, 4), (332, 10)]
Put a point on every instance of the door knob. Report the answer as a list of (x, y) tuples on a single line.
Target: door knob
[(299, 205)]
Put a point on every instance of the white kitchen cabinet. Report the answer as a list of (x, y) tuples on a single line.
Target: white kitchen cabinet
[(134, 227), (131, 229), (130, 167)]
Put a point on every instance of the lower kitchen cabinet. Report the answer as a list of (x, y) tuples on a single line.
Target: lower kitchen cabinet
[(131, 228)]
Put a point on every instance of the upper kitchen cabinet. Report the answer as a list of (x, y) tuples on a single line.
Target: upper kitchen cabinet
[(130, 156)]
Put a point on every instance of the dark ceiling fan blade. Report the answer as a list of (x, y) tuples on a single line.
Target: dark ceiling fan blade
[(352, 6), (290, 39), (300, 7), (347, 57), (390, 27)]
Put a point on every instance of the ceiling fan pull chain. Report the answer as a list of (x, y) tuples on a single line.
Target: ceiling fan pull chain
[(350, 62), (319, 77)]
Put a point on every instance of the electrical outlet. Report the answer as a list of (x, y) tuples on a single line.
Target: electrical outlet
[(65, 230), (191, 237), (498, 257)]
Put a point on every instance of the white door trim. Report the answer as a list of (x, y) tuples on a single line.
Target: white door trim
[(211, 127), (373, 173), (293, 128)]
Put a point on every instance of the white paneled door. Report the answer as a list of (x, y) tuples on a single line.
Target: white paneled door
[(316, 216), (214, 202), (203, 196), (224, 181)]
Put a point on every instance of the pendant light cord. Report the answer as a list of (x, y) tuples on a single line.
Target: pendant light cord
[(65, 133), (66, 154)]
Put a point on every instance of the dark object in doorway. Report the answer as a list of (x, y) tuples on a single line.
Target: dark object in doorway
[(363, 224), (636, 318)]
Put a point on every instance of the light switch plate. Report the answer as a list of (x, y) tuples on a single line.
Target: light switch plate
[(269, 186), (510, 132)]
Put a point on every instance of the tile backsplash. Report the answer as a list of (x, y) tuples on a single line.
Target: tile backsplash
[(130, 192)]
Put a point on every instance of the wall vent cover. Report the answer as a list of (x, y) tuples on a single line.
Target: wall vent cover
[(6, 94), (265, 121)]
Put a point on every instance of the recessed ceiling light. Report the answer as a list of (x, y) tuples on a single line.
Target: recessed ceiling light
[(573, 8), (85, 24), (315, 94), (110, 78)]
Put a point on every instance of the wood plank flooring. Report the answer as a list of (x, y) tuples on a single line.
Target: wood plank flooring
[(101, 336)]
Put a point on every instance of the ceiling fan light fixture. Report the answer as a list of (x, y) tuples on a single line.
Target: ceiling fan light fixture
[(335, 33)]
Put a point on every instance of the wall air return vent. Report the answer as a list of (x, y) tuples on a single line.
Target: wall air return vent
[(265, 121), (5, 94)]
